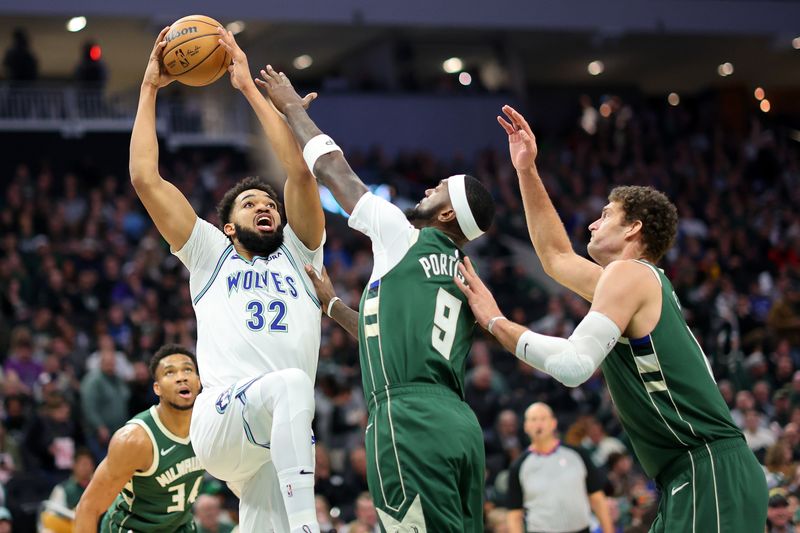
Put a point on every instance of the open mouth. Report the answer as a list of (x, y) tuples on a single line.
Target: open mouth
[(263, 222), (185, 393)]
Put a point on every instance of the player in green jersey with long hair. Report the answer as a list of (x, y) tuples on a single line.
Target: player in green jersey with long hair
[(151, 477), (658, 376)]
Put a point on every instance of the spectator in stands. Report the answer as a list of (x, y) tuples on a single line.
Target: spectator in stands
[(599, 444), (744, 402), (779, 516), (502, 444), (68, 493), (355, 477), (142, 395), (91, 70), (52, 439), (621, 475), (104, 404), (758, 437), (19, 62), (784, 316), (327, 523), (366, 516), (21, 359), (122, 367), (207, 512), (481, 397)]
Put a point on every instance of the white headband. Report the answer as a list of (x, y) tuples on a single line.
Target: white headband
[(458, 198)]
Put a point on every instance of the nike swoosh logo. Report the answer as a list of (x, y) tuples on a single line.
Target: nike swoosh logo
[(525, 352), (306, 473), (679, 488), (167, 450)]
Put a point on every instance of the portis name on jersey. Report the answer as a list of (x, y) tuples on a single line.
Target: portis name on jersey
[(441, 265)]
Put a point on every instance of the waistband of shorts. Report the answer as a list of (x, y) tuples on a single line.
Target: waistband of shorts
[(418, 389), (684, 462)]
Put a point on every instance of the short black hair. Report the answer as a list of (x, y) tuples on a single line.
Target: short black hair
[(166, 351), (83, 451), (480, 202), (225, 205)]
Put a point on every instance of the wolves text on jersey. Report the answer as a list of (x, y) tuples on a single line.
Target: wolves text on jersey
[(251, 280)]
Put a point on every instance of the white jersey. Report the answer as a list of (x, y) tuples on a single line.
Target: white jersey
[(253, 317)]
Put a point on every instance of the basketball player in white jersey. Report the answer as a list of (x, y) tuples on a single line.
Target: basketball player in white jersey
[(258, 319)]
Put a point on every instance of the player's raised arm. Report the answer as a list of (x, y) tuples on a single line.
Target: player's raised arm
[(546, 230), (332, 305), (329, 165), (301, 197), (129, 451), (167, 206)]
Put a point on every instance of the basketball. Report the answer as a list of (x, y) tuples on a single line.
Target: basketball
[(193, 53)]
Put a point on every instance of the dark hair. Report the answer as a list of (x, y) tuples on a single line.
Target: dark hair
[(83, 451), (20, 37), (225, 205), (166, 351), (657, 214), (480, 203)]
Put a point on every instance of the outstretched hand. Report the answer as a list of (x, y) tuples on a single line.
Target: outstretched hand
[(280, 90), (521, 141), (154, 74), (322, 286), (480, 300), (238, 69)]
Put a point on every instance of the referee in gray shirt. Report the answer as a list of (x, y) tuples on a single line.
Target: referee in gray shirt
[(551, 486)]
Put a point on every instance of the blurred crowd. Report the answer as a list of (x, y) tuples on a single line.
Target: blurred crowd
[(89, 291)]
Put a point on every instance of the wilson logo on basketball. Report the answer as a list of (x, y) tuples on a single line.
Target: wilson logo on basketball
[(174, 34)]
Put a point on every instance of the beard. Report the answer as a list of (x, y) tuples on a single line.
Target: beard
[(419, 214), (259, 244)]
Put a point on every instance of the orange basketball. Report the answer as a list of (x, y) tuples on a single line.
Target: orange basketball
[(193, 53)]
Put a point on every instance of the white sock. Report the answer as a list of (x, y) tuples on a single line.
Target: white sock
[(298, 497)]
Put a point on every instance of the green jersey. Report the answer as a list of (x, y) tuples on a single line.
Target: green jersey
[(160, 499), (415, 325), (664, 390)]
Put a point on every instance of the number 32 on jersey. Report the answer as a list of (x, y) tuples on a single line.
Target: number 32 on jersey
[(272, 313)]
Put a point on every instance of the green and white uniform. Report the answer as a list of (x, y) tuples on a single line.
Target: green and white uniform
[(160, 499), (681, 429), (424, 444)]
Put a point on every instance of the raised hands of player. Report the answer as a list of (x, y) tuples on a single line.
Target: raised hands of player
[(322, 286), (280, 90), (238, 69), (154, 74), (481, 301), (521, 141)]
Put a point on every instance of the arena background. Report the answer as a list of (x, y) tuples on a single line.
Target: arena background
[(659, 92)]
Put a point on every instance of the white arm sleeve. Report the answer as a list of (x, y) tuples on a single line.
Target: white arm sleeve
[(571, 361)]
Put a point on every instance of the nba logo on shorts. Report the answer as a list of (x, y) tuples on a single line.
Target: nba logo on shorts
[(289, 490), (224, 400)]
